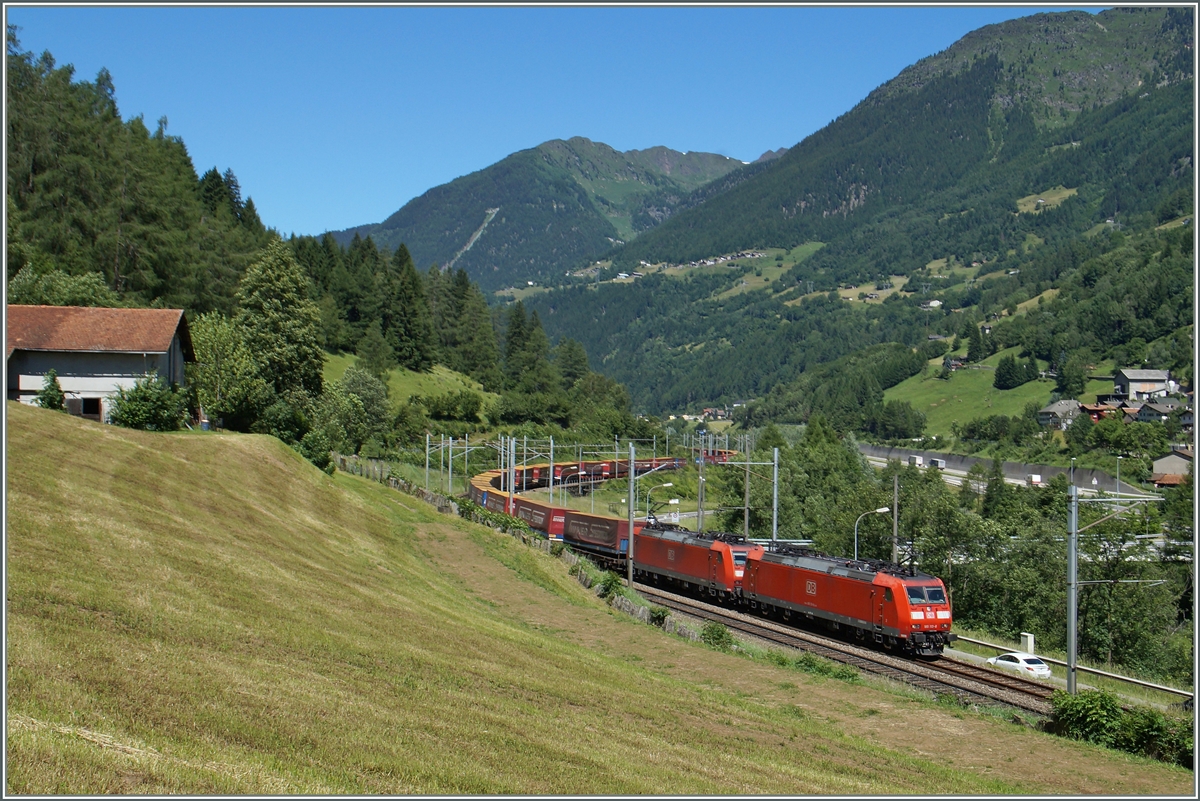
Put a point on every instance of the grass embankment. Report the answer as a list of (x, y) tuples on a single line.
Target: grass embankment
[(206, 613)]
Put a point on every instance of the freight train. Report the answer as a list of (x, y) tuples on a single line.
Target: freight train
[(897, 608)]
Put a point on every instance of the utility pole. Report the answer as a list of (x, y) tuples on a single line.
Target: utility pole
[(896, 519), (1072, 584), (700, 492), (632, 503), (775, 498), (746, 503)]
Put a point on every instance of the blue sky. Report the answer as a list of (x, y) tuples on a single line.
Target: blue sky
[(333, 117)]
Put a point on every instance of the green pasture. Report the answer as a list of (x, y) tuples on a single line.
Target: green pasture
[(403, 384), (967, 394)]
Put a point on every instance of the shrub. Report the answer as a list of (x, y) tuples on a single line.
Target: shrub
[(658, 615), (714, 635), (315, 448), (50, 396), (1096, 716), (610, 584), (557, 549), (1093, 716), (150, 405)]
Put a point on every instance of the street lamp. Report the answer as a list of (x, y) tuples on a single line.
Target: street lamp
[(1118, 476), (652, 489), (880, 511)]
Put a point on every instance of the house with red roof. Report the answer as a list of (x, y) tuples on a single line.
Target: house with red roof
[(94, 351)]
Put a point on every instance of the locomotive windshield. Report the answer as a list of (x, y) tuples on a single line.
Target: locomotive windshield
[(739, 558), (926, 595)]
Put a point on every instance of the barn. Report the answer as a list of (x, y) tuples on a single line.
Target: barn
[(94, 351)]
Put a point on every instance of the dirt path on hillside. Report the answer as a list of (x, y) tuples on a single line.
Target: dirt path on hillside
[(963, 740)]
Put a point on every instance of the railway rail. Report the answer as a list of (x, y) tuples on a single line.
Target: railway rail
[(967, 683)]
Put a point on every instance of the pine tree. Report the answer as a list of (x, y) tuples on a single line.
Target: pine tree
[(479, 353), (374, 353), (1008, 375), (514, 343), (976, 348), (572, 362), (405, 313)]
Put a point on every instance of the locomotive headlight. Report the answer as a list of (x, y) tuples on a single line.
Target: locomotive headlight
[(916, 625)]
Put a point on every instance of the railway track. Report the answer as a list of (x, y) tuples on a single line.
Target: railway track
[(968, 683)]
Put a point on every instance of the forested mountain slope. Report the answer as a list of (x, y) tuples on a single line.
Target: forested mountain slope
[(556, 206), (986, 101), (91, 194), (943, 185)]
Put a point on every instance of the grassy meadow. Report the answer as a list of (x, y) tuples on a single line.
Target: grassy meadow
[(206, 613), (403, 384), (968, 394)]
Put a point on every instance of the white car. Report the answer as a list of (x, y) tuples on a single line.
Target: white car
[(1025, 664)]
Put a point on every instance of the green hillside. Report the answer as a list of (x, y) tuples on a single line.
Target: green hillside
[(543, 211), (967, 132), (206, 613), (967, 394), (928, 190), (403, 384)]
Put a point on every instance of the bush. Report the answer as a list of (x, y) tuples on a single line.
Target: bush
[(610, 584), (1093, 716), (1096, 716), (282, 420), (557, 549), (150, 405), (315, 448), (658, 615), (50, 396), (714, 635)]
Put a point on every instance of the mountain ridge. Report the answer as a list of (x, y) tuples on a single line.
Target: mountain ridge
[(569, 200)]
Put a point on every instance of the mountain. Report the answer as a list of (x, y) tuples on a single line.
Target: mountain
[(545, 210), (981, 102), (983, 176)]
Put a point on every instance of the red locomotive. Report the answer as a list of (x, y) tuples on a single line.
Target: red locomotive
[(710, 562), (893, 606), (896, 607)]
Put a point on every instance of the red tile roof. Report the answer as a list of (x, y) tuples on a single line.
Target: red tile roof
[(91, 329)]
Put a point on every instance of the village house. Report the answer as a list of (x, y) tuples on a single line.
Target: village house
[(1097, 411), (94, 352), (1169, 470), (1156, 412), (1059, 414), (1142, 385)]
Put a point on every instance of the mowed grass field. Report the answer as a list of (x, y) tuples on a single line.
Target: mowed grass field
[(204, 613)]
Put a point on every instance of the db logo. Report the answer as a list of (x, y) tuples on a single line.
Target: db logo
[(810, 587), (670, 554)]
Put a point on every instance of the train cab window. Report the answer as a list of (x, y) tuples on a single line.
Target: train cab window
[(887, 593), (739, 558), (916, 595), (935, 595)]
